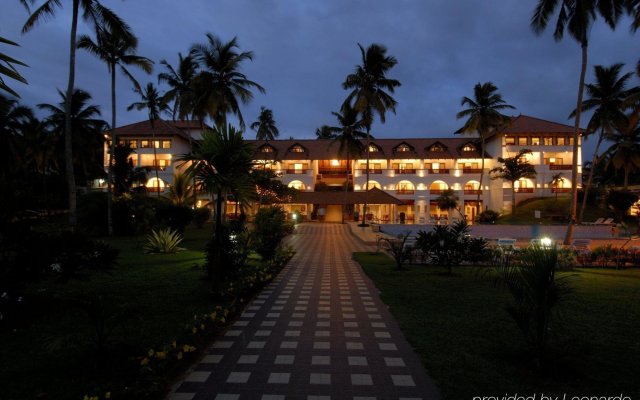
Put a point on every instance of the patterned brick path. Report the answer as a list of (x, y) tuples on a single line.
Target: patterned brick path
[(317, 332)]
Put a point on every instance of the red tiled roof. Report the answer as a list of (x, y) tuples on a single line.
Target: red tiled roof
[(527, 124), (161, 128), (327, 149), (375, 196)]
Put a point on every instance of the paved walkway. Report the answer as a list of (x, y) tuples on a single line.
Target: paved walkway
[(317, 332)]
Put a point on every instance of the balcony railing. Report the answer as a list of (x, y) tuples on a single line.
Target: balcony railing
[(560, 190), (160, 168), (436, 191), (471, 170), (472, 191), (405, 171), (439, 171), (564, 167), (333, 171), (405, 191), (371, 170), (296, 171), (524, 190)]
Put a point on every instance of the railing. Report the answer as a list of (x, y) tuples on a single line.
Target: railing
[(333, 171), (405, 191), (523, 190), (438, 171), (405, 171), (471, 170), (436, 191), (155, 189), (296, 171), (560, 190), (371, 170), (560, 167), (472, 191), (160, 168)]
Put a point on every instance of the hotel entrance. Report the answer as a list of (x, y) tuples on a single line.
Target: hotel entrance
[(471, 210)]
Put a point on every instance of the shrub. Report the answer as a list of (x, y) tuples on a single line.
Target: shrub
[(487, 217), (175, 217), (201, 215), (603, 255), (163, 241), (399, 250), (270, 228)]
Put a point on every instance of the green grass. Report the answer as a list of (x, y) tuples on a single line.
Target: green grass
[(548, 206), (162, 291), (471, 347)]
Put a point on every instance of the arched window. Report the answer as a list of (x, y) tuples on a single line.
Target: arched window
[(438, 187), (523, 185), (373, 184), (296, 149), (472, 187), (154, 185), (266, 149), (436, 147), (403, 148), (469, 147), (373, 148), (405, 187), (297, 185)]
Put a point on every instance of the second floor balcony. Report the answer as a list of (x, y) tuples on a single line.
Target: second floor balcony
[(405, 170), (405, 191), (560, 167), (333, 171), (472, 191), (376, 171), (523, 190), (296, 171)]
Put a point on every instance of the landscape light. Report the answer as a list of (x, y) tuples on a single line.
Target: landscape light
[(546, 242)]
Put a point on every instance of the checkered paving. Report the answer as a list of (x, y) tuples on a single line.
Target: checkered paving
[(317, 332)]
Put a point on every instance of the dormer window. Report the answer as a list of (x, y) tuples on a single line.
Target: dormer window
[(469, 147), (373, 148), (266, 149), (296, 149), (437, 147), (403, 148)]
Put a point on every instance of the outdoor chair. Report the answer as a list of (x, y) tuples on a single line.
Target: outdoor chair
[(507, 245), (596, 222), (607, 221)]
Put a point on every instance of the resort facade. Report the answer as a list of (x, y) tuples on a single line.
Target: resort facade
[(406, 175)]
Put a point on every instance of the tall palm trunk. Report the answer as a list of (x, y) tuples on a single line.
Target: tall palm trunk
[(112, 152), (626, 178), (574, 168), (155, 156), (593, 167), (513, 199), (366, 187), (481, 171), (346, 189), (68, 134)]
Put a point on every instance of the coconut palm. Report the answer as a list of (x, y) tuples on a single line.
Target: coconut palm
[(512, 170), (86, 125), (98, 15), (222, 163), (484, 116), (220, 82), (624, 153), (606, 97), (8, 69), (265, 126), (348, 135), (13, 117), (324, 132), (557, 179), (39, 153), (370, 91), (154, 103), (115, 50), (449, 201), (577, 17), (180, 190), (180, 80)]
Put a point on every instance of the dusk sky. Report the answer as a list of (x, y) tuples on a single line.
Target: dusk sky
[(303, 50)]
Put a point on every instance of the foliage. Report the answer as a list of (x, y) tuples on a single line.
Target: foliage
[(181, 190), (8, 69), (164, 240), (513, 169), (265, 126), (620, 201), (449, 245), (399, 250), (603, 255), (487, 217), (234, 242), (270, 188), (531, 280), (172, 216), (201, 215), (271, 227)]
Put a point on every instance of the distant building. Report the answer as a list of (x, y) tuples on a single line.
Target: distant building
[(409, 173)]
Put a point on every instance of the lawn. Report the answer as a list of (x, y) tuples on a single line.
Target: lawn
[(54, 355), (471, 347)]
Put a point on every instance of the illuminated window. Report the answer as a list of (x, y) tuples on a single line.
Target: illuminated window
[(437, 147), (560, 141), (403, 148), (297, 185), (266, 149), (535, 140), (373, 148), (133, 144), (522, 140), (548, 141), (510, 140), (156, 144), (166, 144), (297, 149), (469, 147), (145, 144), (122, 142)]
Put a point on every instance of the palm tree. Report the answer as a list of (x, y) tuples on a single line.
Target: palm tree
[(8, 69), (39, 151), (86, 125), (115, 50), (369, 86), (606, 98), (556, 179), (220, 82), (180, 80), (484, 116), (13, 117), (577, 16), (512, 170), (155, 105), (624, 153), (449, 201), (324, 132), (180, 189), (349, 138), (222, 163), (265, 126), (94, 12)]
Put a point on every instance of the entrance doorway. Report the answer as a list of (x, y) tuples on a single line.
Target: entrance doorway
[(471, 210)]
